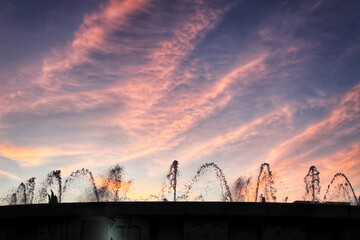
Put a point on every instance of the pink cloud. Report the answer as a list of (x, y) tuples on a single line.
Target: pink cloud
[(317, 134), (91, 35), (21, 93), (151, 81)]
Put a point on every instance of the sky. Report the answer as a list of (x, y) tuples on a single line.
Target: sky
[(140, 83)]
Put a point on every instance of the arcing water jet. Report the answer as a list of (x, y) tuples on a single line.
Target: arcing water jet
[(340, 189), (82, 174), (226, 194)]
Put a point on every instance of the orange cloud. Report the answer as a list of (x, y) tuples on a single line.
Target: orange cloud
[(31, 156)]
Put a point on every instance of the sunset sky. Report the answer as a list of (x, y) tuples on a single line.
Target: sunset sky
[(143, 82)]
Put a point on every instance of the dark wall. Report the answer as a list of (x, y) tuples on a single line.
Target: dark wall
[(179, 221)]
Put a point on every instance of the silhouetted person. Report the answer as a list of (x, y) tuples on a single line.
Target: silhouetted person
[(53, 198), (263, 199)]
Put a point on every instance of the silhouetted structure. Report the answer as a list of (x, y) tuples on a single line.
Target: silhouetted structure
[(179, 221)]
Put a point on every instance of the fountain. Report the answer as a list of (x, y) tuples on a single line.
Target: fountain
[(172, 176), (19, 197), (24, 193), (29, 190), (265, 184), (212, 220), (242, 188), (225, 191), (209, 183), (112, 184), (312, 185), (74, 183), (170, 185), (80, 184), (340, 190), (261, 188)]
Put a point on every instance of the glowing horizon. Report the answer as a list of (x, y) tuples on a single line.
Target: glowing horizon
[(142, 82)]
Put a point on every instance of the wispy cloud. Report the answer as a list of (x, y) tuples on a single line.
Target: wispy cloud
[(9, 175), (260, 127), (342, 121)]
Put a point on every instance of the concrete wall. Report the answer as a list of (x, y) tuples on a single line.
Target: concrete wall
[(179, 221)]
